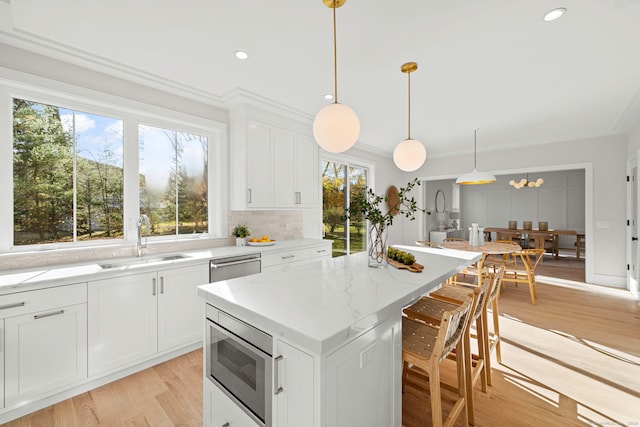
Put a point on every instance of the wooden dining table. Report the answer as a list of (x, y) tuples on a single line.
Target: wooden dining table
[(488, 248), (539, 237)]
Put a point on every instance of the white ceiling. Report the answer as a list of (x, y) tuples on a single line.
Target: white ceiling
[(493, 65)]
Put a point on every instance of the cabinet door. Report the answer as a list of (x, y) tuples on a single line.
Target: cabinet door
[(307, 178), (220, 411), (2, 334), (180, 310), (364, 379), (293, 406), (44, 351), (284, 166), (122, 322), (259, 166)]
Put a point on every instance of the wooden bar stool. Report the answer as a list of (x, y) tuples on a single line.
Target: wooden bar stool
[(486, 340), (425, 347), (431, 310)]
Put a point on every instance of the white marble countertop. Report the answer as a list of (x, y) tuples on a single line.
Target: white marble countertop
[(36, 278), (325, 304)]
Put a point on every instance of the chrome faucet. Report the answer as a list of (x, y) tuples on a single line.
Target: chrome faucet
[(142, 220)]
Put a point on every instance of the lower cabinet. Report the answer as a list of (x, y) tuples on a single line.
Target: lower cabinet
[(1, 363), (366, 370), (45, 341), (281, 260), (134, 317), (293, 406), (220, 411)]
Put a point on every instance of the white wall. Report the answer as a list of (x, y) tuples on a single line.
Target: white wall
[(606, 156)]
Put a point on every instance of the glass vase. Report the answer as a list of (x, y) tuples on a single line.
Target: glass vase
[(378, 246)]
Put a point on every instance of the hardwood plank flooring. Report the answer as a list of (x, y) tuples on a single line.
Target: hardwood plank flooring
[(573, 359)]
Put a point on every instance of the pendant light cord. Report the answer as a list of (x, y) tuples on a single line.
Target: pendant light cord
[(335, 57), (409, 109)]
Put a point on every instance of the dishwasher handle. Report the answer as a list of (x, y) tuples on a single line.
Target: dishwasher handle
[(227, 264)]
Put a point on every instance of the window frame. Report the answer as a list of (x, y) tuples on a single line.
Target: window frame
[(133, 114), (348, 161)]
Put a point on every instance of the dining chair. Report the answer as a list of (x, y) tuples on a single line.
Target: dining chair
[(524, 270), (425, 347)]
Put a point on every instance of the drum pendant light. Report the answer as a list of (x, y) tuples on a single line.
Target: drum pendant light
[(410, 154), (336, 127), (475, 177)]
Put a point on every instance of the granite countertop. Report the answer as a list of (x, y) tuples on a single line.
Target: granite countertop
[(323, 305), (12, 281)]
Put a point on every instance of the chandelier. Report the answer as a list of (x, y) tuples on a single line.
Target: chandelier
[(524, 182)]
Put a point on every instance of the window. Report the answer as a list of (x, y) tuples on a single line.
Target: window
[(67, 175), (173, 180), (339, 182)]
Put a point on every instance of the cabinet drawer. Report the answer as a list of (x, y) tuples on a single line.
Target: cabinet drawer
[(271, 259), (320, 252), (42, 299)]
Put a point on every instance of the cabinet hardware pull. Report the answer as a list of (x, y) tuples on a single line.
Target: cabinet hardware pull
[(288, 256), (249, 190), (53, 313), (14, 305), (319, 251), (153, 288), (277, 389), (162, 284)]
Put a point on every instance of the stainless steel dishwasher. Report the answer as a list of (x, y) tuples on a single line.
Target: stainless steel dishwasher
[(233, 266)]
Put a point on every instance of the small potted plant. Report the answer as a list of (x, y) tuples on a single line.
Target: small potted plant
[(241, 232)]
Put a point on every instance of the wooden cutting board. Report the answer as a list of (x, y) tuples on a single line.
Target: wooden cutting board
[(414, 268)]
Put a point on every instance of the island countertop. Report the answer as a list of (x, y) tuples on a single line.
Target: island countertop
[(326, 304)]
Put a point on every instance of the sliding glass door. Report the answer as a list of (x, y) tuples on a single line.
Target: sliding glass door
[(339, 182)]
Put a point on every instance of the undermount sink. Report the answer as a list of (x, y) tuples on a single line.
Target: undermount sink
[(141, 261)]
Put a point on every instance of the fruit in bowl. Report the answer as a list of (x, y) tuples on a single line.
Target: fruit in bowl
[(262, 239)]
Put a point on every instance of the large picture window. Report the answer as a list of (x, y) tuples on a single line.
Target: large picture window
[(67, 175), (173, 180)]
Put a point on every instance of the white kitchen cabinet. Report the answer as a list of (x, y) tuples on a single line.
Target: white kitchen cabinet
[(295, 170), (277, 260), (293, 404), (123, 314), (133, 317), (220, 411), (366, 370), (180, 311), (272, 167), (1, 363), (259, 166), (44, 341)]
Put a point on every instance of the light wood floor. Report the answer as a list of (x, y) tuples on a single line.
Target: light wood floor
[(571, 360)]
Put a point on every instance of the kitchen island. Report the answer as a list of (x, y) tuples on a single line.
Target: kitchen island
[(336, 328)]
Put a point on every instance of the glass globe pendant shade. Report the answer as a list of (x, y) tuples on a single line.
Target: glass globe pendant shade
[(409, 155), (336, 128)]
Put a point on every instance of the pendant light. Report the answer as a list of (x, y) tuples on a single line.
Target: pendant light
[(410, 154), (525, 183), (336, 127), (475, 177)]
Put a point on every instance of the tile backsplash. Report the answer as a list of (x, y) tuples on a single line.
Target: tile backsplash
[(278, 225)]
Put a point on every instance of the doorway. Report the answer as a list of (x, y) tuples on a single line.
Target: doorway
[(632, 226)]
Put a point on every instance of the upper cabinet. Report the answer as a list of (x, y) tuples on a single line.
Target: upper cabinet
[(274, 163)]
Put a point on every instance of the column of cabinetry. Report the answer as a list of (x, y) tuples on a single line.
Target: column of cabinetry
[(281, 168), (293, 405), (45, 341), (133, 317)]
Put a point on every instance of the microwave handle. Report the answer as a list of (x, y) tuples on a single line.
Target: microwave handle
[(277, 389)]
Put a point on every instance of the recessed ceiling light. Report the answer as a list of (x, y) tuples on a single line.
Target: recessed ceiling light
[(241, 54), (554, 14), (328, 96)]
